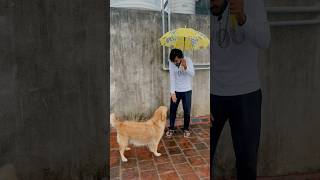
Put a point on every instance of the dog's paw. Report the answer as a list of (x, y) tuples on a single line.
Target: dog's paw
[(124, 159), (157, 154), (127, 148)]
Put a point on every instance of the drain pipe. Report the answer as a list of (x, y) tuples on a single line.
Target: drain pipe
[(163, 31), (272, 23), (305, 9), (167, 3), (295, 23)]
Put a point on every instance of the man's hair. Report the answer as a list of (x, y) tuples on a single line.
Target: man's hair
[(175, 53)]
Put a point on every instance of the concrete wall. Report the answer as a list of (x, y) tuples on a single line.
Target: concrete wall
[(290, 71), (53, 95), (138, 84)]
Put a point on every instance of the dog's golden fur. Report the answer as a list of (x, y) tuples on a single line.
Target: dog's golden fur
[(147, 133)]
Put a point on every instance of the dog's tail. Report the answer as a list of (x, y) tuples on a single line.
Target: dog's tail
[(114, 121)]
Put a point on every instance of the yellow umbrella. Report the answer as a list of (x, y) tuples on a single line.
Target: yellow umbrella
[(184, 39)]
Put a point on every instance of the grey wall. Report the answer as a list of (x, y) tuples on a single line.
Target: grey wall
[(289, 71), (138, 84), (53, 95)]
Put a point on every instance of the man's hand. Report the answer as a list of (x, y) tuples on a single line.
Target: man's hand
[(184, 63), (173, 97), (237, 9)]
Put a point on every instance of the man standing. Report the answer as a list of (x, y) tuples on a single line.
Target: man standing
[(238, 28), (181, 73)]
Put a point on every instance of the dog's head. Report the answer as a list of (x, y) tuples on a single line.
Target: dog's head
[(161, 113)]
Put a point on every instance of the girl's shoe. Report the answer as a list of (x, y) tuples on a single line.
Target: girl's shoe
[(186, 133), (169, 133)]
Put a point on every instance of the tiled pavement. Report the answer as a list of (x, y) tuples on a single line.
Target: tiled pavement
[(182, 158)]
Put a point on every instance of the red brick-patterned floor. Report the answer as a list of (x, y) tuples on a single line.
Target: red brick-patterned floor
[(182, 158)]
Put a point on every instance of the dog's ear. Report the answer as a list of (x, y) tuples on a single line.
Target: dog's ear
[(164, 115), (161, 113)]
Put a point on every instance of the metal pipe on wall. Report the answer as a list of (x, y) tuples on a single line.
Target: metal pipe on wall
[(164, 58), (163, 31), (305, 9), (273, 24), (295, 23)]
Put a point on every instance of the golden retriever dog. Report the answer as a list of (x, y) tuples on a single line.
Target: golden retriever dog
[(147, 133)]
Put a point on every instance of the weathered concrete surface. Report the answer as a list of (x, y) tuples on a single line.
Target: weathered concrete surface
[(7, 172), (290, 71), (138, 84), (53, 95)]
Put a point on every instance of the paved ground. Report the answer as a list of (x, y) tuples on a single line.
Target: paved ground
[(181, 158)]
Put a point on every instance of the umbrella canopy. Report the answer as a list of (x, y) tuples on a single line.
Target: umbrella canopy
[(184, 39)]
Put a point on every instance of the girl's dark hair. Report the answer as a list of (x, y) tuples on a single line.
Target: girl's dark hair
[(175, 53)]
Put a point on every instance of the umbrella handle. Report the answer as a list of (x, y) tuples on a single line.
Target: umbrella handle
[(184, 40), (234, 21)]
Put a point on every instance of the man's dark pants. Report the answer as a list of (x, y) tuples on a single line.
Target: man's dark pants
[(244, 115), (185, 97)]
